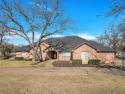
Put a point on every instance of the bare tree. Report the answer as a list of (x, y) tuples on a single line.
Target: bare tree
[(3, 34), (101, 39), (111, 37), (116, 9), (45, 17)]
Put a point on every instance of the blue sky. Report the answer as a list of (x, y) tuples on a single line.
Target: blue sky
[(84, 14)]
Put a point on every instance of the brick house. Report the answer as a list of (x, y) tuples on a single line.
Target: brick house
[(68, 48)]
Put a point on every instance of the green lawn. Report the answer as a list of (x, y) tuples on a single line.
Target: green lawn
[(13, 63)]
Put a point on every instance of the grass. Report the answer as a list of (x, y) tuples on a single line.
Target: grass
[(25, 81), (13, 63), (75, 84)]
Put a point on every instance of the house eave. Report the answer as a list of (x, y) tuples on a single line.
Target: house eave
[(106, 51)]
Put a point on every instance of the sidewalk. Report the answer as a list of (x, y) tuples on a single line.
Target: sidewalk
[(49, 64)]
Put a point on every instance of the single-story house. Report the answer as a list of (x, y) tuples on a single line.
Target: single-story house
[(68, 48)]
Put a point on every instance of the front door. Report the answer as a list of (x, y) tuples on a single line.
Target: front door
[(85, 57)]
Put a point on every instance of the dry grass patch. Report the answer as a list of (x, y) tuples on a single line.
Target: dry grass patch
[(76, 84), (13, 63)]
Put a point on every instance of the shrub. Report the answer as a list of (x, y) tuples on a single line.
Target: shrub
[(94, 62), (6, 57), (28, 59), (6, 52), (77, 62), (19, 58)]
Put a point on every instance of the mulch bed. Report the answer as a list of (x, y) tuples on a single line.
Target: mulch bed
[(68, 64), (62, 64)]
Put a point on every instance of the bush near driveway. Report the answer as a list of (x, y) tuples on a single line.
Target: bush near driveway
[(68, 64), (94, 62), (23, 59), (19, 58)]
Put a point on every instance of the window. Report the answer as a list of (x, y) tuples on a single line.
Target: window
[(24, 55), (66, 55)]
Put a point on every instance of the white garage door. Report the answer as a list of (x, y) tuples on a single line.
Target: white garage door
[(85, 56), (66, 55), (24, 55)]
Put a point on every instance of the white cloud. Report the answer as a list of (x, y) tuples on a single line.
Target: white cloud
[(13, 37), (82, 35), (57, 35), (16, 40), (37, 35), (85, 36), (19, 40), (40, 6)]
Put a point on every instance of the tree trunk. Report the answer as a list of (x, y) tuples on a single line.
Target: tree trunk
[(34, 56), (41, 58), (38, 57), (123, 60), (123, 63)]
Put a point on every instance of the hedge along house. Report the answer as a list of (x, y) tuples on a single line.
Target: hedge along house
[(69, 48)]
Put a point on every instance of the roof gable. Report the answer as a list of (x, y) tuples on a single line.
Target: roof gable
[(84, 44)]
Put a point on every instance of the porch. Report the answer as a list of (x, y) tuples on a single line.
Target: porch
[(52, 54)]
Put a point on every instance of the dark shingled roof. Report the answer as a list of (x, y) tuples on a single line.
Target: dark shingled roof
[(69, 43), (100, 47)]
